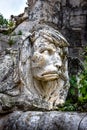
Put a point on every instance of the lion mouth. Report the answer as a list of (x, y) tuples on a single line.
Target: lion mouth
[(50, 73)]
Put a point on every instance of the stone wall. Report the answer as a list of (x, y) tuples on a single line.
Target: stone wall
[(74, 24)]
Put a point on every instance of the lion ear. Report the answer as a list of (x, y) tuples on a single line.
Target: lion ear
[(32, 37)]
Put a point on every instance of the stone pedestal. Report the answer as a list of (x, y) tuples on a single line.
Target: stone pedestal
[(44, 121)]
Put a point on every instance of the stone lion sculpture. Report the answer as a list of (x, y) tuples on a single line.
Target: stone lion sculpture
[(44, 69), (40, 70)]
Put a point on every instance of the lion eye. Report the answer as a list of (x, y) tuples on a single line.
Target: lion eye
[(50, 50), (43, 50)]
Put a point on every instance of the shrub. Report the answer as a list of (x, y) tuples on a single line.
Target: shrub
[(11, 42), (77, 96), (19, 32), (3, 21), (10, 23)]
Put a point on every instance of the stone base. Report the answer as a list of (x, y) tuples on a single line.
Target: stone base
[(54, 120)]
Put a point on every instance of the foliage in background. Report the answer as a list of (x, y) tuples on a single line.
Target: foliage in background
[(19, 32), (11, 42), (77, 96), (3, 21), (6, 25), (10, 23)]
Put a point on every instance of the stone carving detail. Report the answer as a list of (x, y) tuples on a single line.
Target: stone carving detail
[(49, 65), (35, 75)]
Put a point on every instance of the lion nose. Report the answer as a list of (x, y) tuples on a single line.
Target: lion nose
[(58, 65)]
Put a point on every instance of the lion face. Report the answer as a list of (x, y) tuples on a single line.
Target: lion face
[(46, 60)]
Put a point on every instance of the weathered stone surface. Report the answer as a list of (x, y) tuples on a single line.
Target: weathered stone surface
[(83, 124), (44, 121), (34, 73), (22, 85), (3, 42)]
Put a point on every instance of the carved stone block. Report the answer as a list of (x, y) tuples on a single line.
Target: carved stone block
[(35, 76)]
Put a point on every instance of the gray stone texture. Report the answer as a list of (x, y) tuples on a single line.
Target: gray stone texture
[(70, 18), (45, 121)]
